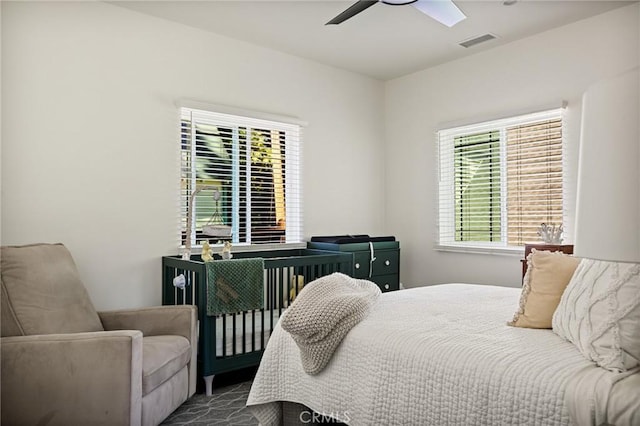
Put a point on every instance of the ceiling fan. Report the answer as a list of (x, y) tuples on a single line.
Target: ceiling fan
[(443, 11)]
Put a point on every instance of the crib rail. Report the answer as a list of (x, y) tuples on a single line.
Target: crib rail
[(234, 341)]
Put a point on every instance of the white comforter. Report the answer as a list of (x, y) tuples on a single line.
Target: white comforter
[(442, 355)]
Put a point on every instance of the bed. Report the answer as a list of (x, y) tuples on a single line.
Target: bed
[(444, 355)]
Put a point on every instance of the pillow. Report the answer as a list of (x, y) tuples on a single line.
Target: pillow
[(548, 274), (600, 313)]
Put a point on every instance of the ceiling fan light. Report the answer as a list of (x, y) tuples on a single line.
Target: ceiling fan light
[(443, 11), (398, 2)]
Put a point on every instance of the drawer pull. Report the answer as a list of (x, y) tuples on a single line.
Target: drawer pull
[(357, 266), (386, 262), (386, 286)]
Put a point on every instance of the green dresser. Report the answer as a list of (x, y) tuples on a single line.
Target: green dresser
[(374, 258)]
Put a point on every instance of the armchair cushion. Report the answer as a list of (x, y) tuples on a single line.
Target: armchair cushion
[(162, 358), (42, 292), (179, 320)]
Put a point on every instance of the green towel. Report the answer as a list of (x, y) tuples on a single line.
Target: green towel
[(235, 286)]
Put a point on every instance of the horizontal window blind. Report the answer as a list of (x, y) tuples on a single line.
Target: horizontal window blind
[(477, 187), (534, 179), (499, 180), (247, 172)]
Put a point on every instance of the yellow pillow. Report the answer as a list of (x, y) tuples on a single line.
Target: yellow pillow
[(548, 274)]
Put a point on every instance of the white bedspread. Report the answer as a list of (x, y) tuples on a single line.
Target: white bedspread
[(440, 355)]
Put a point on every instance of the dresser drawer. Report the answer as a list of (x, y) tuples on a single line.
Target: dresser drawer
[(361, 264), (387, 262), (390, 282)]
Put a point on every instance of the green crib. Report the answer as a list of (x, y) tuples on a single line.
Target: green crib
[(229, 342)]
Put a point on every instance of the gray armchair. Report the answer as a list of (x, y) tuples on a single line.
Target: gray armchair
[(63, 363)]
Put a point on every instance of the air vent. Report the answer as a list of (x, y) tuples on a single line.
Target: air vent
[(477, 40)]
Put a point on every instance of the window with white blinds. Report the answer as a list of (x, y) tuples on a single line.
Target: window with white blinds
[(500, 180), (242, 175)]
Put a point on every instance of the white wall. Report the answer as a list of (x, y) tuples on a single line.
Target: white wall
[(89, 142), (90, 131), (538, 71)]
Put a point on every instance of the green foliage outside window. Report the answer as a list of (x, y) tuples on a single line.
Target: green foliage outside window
[(477, 187)]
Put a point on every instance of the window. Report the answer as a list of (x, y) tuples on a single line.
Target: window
[(500, 180), (242, 175)]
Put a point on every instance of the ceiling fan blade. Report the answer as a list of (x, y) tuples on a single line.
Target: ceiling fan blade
[(443, 11), (354, 9)]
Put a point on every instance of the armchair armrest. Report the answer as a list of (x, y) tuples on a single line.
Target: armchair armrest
[(176, 320), (80, 378)]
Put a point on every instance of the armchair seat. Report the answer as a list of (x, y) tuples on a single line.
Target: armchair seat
[(162, 358), (64, 363)]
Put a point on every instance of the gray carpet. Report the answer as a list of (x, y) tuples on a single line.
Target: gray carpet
[(225, 407)]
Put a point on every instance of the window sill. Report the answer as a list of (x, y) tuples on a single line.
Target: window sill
[(481, 249)]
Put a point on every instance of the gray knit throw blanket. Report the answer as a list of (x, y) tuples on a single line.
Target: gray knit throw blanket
[(323, 313)]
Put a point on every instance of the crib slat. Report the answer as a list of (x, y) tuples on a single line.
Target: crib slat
[(253, 330), (284, 295), (244, 333), (224, 336), (233, 332), (264, 312)]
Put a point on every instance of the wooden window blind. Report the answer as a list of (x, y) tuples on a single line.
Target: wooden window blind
[(534, 179), (499, 180), (250, 169)]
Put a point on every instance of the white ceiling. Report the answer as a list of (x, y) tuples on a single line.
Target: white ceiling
[(384, 41)]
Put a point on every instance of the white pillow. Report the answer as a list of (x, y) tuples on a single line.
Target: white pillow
[(599, 312)]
